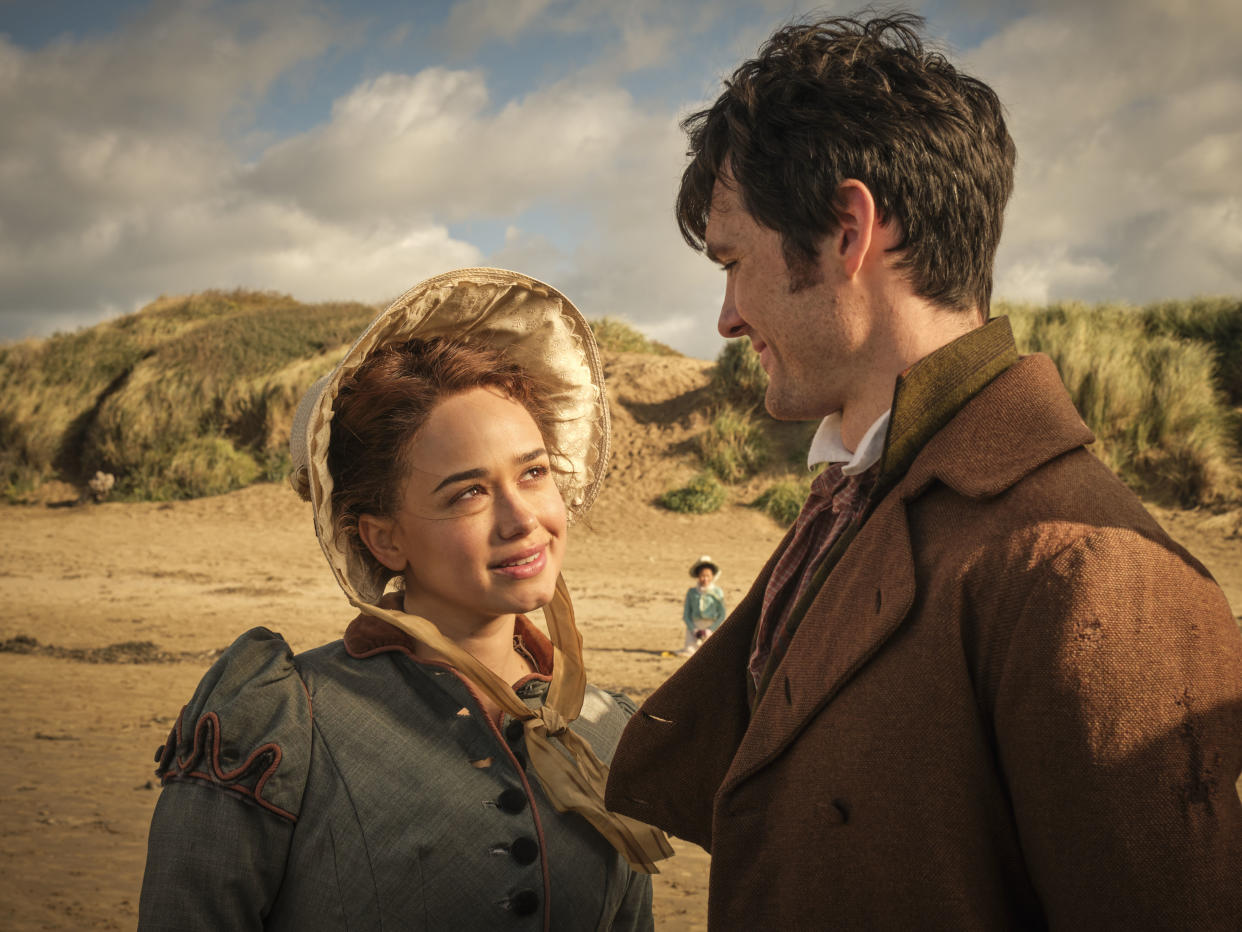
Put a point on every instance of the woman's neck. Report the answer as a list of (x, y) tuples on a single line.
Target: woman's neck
[(490, 643)]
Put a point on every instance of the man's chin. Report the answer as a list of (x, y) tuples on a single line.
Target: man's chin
[(785, 408)]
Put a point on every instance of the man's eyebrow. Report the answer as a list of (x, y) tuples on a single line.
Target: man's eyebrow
[(467, 474)]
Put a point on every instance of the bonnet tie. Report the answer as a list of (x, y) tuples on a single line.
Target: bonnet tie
[(573, 783)]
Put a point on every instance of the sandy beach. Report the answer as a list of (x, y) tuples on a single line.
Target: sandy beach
[(128, 603)]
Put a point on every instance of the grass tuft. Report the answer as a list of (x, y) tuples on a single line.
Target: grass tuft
[(702, 495), (782, 500), (734, 446), (738, 380), (1215, 322), (208, 465)]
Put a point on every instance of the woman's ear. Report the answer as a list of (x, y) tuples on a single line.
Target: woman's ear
[(381, 538)]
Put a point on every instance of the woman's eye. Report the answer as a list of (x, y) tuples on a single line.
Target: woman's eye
[(473, 491), (535, 472)]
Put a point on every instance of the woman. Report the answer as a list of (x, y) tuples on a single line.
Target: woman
[(438, 767), (704, 607)]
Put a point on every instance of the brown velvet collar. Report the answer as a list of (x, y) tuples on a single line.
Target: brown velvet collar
[(367, 636)]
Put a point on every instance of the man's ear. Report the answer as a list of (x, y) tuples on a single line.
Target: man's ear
[(858, 221), (381, 538)]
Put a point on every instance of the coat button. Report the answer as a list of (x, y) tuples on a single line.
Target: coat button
[(514, 730), (524, 850), (512, 801), (524, 902), (520, 758)]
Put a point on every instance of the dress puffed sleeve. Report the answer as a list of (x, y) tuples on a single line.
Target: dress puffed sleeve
[(234, 769)]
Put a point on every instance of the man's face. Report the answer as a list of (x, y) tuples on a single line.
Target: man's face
[(813, 341)]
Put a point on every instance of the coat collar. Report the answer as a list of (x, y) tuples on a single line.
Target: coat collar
[(1014, 417), (1022, 419), (929, 394), (367, 636)]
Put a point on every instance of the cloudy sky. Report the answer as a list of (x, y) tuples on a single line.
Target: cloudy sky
[(348, 150)]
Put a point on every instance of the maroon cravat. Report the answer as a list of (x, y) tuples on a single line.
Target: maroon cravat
[(836, 500)]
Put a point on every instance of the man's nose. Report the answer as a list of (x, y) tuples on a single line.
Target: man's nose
[(730, 324)]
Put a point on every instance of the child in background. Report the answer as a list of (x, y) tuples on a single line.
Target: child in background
[(704, 608)]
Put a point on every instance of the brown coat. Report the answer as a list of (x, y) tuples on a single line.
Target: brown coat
[(1015, 703)]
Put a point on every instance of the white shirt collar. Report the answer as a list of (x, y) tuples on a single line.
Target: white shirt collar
[(827, 447)]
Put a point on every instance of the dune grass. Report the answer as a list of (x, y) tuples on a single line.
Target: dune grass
[(618, 336), (1215, 322), (195, 395), (190, 396), (1148, 383)]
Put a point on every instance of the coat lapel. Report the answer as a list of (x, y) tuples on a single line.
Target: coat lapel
[(863, 602)]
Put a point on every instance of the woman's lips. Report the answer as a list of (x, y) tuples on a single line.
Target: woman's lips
[(525, 565)]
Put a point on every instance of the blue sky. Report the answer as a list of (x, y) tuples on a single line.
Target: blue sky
[(334, 150)]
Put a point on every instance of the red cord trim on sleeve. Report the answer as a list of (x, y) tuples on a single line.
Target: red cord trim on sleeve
[(203, 764)]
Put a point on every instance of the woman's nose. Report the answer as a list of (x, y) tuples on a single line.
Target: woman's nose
[(517, 518)]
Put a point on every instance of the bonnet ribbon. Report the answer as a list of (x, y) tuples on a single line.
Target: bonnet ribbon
[(574, 781)]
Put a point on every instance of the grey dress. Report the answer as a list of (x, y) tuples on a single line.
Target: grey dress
[(354, 787)]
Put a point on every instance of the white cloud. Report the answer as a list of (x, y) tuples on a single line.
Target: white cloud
[(534, 254), (223, 243), (111, 200), (1129, 133), (131, 164), (118, 179), (473, 23), (429, 143), (1043, 276)]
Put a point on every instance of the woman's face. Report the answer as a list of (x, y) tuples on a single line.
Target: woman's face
[(705, 577), (480, 531)]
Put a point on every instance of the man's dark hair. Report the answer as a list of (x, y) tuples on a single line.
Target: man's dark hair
[(847, 98)]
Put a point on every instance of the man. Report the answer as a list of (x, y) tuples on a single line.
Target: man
[(976, 686)]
